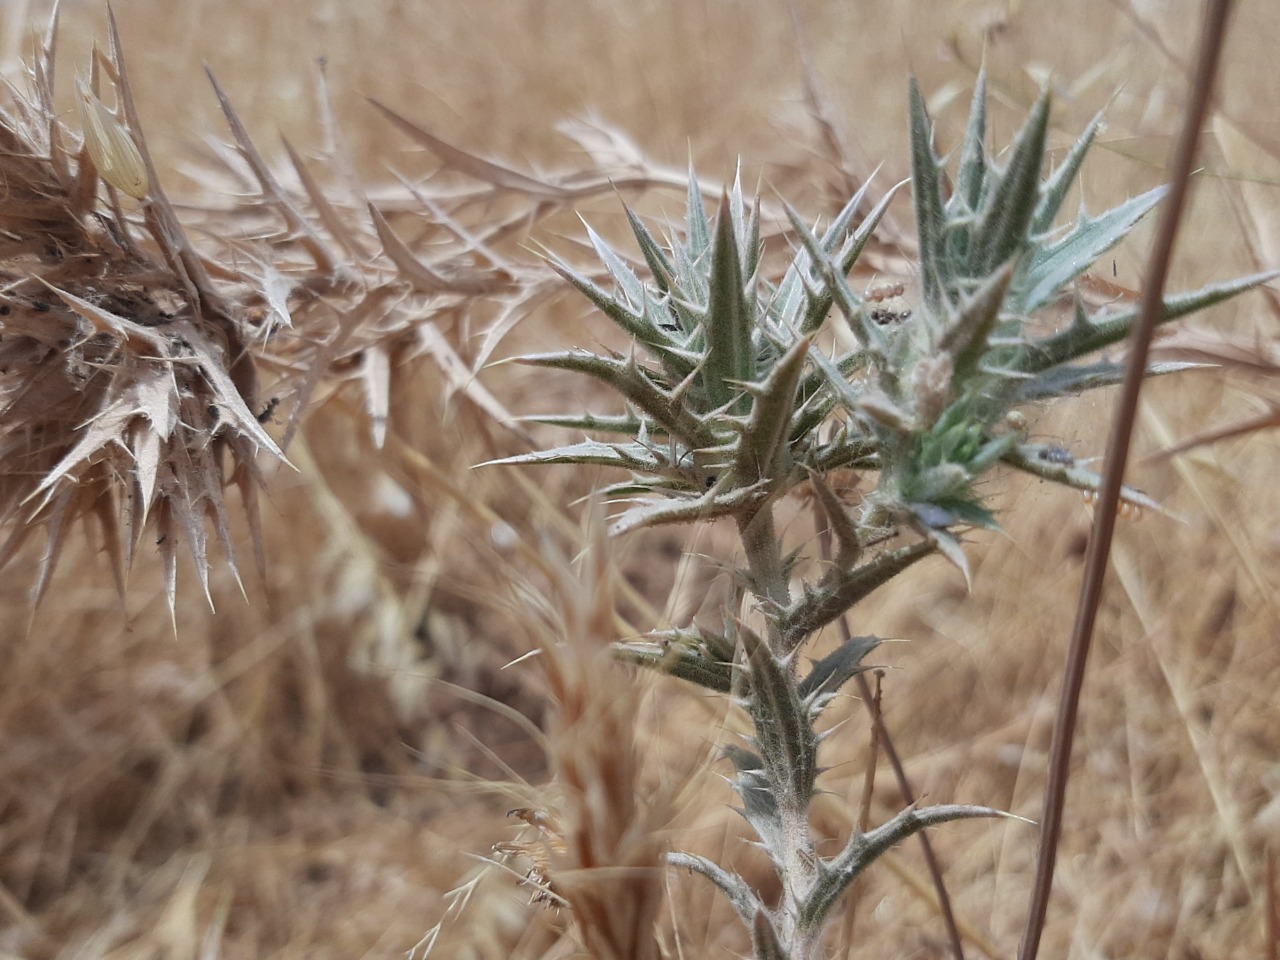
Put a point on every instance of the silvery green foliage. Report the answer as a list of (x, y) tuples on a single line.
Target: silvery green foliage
[(732, 399), (730, 402)]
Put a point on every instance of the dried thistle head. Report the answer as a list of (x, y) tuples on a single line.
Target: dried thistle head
[(127, 392), (130, 361)]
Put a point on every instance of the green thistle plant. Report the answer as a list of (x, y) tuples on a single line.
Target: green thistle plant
[(732, 401)]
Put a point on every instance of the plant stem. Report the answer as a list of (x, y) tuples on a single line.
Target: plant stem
[(764, 561), (1211, 40)]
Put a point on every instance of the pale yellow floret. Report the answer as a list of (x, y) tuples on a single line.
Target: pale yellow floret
[(110, 145)]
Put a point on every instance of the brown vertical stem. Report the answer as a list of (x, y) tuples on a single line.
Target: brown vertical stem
[(872, 699), (1211, 37)]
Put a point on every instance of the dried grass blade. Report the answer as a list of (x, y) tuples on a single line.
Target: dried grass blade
[(325, 262), (420, 275), (460, 378), (375, 373), (335, 224), (162, 220), (468, 163)]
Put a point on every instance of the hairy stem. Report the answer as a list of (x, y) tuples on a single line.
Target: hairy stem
[(764, 562)]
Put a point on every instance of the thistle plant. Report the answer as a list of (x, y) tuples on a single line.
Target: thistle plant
[(734, 397)]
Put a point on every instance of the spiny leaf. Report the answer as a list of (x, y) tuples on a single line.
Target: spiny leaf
[(660, 265), (1106, 328), (1055, 189), (621, 272), (863, 849), (791, 292), (764, 938), (1067, 380), (1047, 464), (421, 275), (627, 378), (966, 338), (842, 526), (759, 804), (698, 232), (709, 506), (788, 744), (838, 667), (1012, 203), (816, 608), (763, 448), (847, 257), (948, 544), (631, 456), (973, 156), (472, 165), (697, 656), (297, 223), (730, 354), (926, 186), (1053, 267), (624, 423), (836, 287), (730, 884)]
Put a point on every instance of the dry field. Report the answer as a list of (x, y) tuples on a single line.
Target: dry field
[(321, 767)]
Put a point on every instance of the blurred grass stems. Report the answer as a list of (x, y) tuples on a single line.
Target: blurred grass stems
[(1212, 35)]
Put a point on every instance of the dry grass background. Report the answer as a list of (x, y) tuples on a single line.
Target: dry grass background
[(314, 770)]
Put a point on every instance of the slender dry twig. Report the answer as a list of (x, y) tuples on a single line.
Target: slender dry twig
[(885, 741), (1216, 15)]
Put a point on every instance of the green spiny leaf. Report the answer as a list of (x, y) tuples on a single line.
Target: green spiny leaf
[(864, 848), (741, 898), (698, 232), (693, 655), (837, 668), (630, 456), (763, 448), (632, 321), (1105, 328), (966, 338), (623, 423), (730, 344), (837, 287), (820, 304), (926, 185), (710, 506), (1052, 268), (636, 385), (792, 292), (1008, 210), (973, 155), (660, 266), (842, 526), (621, 271), (759, 805), (786, 739), (764, 938), (1054, 192), (816, 608), (1064, 470)]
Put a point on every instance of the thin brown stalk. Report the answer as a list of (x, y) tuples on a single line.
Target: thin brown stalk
[(1211, 40), (864, 811), (872, 699), (1272, 921), (909, 797)]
